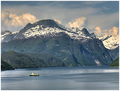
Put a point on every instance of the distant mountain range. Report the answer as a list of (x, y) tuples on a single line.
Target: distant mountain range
[(74, 47)]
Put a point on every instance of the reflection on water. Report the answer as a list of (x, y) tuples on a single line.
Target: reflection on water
[(61, 78)]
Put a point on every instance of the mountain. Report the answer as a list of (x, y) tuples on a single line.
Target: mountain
[(6, 36), (114, 53), (110, 41), (47, 27), (81, 33), (115, 63), (31, 60), (6, 32), (71, 52), (5, 65), (74, 47)]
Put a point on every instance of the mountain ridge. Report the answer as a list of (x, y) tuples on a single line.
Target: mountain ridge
[(47, 27), (75, 47), (31, 60), (110, 41), (5, 65), (64, 48)]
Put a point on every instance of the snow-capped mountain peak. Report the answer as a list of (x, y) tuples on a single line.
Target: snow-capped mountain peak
[(49, 27), (6, 32), (6, 36), (110, 41)]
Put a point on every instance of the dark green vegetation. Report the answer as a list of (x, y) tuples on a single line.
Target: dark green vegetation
[(5, 65), (31, 60), (115, 63), (71, 52)]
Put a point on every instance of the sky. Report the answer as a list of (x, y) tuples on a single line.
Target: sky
[(100, 17)]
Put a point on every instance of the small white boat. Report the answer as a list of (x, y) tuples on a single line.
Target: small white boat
[(33, 74)]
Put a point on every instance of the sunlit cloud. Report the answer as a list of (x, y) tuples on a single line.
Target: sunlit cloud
[(79, 22), (98, 30), (113, 31), (75, 14), (11, 19)]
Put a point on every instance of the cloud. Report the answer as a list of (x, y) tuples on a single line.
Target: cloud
[(11, 20), (79, 22), (56, 11), (3, 14), (113, 31), (96, 13), (98, 30)]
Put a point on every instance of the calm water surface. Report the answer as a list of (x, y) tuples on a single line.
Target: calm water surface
[(61, 78)]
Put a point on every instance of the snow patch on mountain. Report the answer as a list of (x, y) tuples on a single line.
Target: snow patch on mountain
[(98, 62), (110, 41), (39, 30), (15, 32), (4, 34)]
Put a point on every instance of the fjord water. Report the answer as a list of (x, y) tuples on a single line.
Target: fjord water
[(61, 78)]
